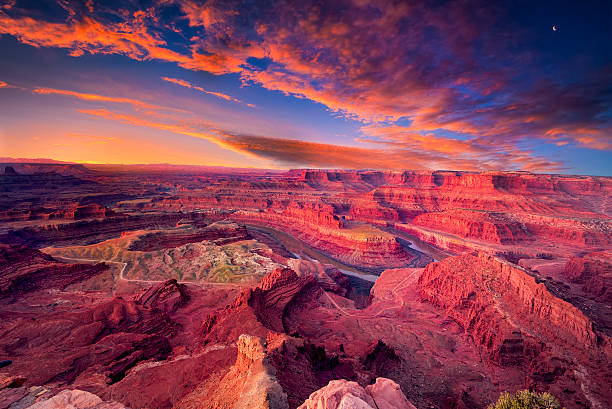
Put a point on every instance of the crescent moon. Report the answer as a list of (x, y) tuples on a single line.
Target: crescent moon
[(554, 28)]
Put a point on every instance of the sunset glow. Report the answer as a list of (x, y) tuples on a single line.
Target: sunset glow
[(305, 204), (348, 84)]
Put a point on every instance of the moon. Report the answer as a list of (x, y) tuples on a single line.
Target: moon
[(554, 28)]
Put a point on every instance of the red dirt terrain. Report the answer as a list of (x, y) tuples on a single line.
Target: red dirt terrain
[(193, 287)]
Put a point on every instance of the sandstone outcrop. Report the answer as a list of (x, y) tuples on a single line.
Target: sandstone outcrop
[(8, 381), (250, 384), (167, 296), (23, 269), (106, 339), (488, 227), (342, 394), (516, 321), (75, 399), (594, 272), (223, 232), (500, 305), (261, 308)]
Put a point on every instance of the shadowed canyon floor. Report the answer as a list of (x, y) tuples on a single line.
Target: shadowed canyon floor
[(200, 288)]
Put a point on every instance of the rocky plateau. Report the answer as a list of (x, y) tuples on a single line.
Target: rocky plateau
[(191, 287)]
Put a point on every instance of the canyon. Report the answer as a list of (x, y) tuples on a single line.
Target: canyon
[(209, 287)]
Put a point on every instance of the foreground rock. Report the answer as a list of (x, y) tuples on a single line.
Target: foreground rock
[(15, 396), (343, 394), (76, 399)]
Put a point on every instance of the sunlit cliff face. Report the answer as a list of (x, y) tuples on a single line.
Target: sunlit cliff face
[(349, 84)]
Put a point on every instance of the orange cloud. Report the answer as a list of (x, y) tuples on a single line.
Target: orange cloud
[(3, 84), (476, 152), (95, 97), (291, 152), (134, 120), (187, 84), (177, 81), (131, 38)]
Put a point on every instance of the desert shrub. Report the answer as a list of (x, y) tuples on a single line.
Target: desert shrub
[(526, 400)]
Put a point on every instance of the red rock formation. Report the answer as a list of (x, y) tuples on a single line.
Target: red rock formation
[(259, 309), (480, 291), (517, 321), (250, 383), (303, 367), (167, 296), (487, 227), (594, 271), (106, 340), (220, 232), (23, 269)]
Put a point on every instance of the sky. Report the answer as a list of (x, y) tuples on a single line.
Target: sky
[(459, 85)]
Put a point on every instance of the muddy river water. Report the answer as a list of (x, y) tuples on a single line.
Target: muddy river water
[(301, 250)]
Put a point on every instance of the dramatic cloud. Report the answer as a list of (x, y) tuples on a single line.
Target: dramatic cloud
[(296, 152), (433, 83), (3, 84)]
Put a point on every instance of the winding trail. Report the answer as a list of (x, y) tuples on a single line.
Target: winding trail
[(149, 282)]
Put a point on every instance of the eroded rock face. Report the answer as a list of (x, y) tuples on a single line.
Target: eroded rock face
[(388, 395), (488, 227), (518, 322), (261, 308), (343, 394), (594, 271), (471, 327), (220, 233), (99, 342), (23, 269), (250, 384), (166, 296)]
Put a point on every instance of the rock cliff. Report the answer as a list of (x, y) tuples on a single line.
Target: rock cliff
[(516, 321), (250, 384)]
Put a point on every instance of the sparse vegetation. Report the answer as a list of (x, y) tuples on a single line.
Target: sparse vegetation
[(526, 400)]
